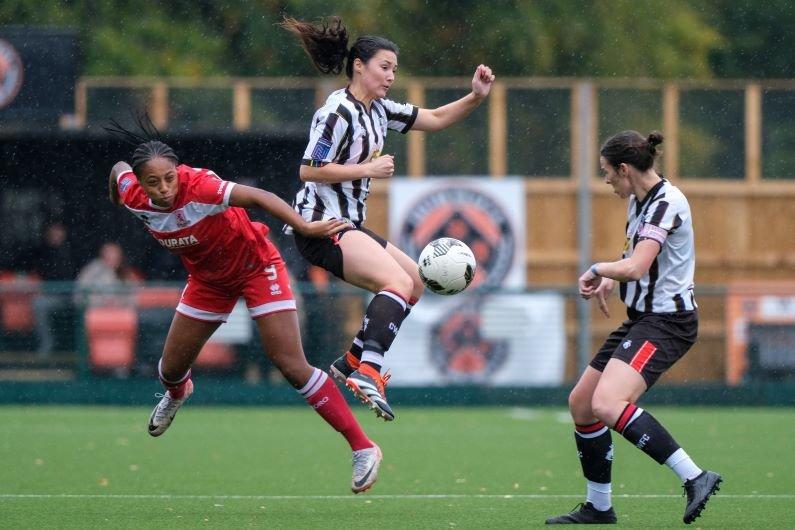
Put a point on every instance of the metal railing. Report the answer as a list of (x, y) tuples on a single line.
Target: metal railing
[(120, 332)]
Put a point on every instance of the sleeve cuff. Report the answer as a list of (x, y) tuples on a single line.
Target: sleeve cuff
[(228, 192), (119, 176), (411, 121)]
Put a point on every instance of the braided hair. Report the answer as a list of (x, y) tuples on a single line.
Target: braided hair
[(148, 143)]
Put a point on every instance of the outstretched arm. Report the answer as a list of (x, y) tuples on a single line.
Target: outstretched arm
[(443, 117), (113, 189), (248, 197)]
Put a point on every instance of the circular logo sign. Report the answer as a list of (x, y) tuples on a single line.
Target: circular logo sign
[(469, 215), (460, 352), (10, 73)]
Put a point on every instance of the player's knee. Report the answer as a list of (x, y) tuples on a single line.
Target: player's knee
[(401, 283), (418, 288), (604, 407), (580, 407)]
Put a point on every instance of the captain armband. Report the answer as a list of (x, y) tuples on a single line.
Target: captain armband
[(653, 232)]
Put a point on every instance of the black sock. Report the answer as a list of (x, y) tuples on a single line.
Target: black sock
[(595, 448), (358, 341), (356, 345), (646, 433), (381, 324)]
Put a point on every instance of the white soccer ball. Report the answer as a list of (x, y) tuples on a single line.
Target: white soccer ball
[(446, 266)]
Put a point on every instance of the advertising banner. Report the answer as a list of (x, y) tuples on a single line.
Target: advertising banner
[(486, 214), (481, 336), (491, 340), (38, 72)]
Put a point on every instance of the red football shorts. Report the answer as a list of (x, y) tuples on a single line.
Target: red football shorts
[(266, 292)]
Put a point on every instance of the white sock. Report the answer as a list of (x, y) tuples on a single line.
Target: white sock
[(373, 357), (599, 495), (683, 465), (316, 380)]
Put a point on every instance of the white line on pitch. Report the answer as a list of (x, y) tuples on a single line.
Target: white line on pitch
[(365, 497)]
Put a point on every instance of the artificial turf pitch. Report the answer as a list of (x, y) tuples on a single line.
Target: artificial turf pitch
[(86, 467)]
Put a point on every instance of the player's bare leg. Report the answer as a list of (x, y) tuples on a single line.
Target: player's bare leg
[(410, 267), (368, 265), (347, 363), (614, 404), (594, 445), (184, 341), (282, 340)]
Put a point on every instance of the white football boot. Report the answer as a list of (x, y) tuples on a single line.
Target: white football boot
[(164, 412), (365, 468)]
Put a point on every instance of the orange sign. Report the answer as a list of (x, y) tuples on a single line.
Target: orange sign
[(753, 303)]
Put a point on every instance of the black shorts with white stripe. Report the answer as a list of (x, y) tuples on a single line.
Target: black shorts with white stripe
[(649, 342), (325, 252)]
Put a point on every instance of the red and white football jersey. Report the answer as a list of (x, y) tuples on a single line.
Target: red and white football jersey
[(217, 243)]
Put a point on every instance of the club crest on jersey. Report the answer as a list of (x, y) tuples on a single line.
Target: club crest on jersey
[(172, 243), (125, 183), (627, 344), (182, 222)]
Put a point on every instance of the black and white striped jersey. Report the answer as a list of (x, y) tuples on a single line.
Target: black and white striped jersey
[(663, 216), (344, 132)]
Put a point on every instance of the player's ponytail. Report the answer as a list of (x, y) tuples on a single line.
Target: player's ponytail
[(630, 147), (147, 142), (326, 43)]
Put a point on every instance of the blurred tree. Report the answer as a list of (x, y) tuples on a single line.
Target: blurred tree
[(762, 38), (678, 38)]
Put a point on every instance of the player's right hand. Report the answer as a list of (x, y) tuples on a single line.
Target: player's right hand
[(587, 284), (382, 167), (323, 228)]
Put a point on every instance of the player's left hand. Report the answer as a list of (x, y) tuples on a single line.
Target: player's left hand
[(602, 292), (323, 228), (588, 283), (482, 81)]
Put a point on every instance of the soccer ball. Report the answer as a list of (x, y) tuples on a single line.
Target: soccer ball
[(446, 266)]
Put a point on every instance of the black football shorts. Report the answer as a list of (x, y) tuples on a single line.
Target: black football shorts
[(650, 342), (325, 252)]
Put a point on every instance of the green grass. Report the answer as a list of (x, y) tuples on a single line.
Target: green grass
[(83, 467)]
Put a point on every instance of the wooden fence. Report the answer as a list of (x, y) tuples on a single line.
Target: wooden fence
[(742, 129)]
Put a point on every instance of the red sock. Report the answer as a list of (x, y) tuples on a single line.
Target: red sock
[(175, 388), (327, 400), (177, 391)]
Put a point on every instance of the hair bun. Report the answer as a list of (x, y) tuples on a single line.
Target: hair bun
[(655, 138)]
